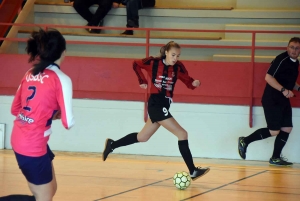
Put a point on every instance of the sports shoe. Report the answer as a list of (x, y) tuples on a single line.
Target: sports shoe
[(242, 147), (279, 162), (199, 172), (107, 148), (90, 30), (127, 32)]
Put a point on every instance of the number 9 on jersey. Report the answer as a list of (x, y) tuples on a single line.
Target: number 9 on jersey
[(165, 111)]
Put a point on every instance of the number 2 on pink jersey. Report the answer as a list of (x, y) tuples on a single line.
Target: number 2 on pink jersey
[(33, 88)]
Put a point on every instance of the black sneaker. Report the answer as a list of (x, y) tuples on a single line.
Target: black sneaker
[(133, 23), (199, 172), (90, 30), (279, 162), (107, 148), (242, 147), (127, 32)]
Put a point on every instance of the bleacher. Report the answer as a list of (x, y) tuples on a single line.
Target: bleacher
[(273, 15)]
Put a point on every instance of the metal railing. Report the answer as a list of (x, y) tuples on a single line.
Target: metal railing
[(147, 45)]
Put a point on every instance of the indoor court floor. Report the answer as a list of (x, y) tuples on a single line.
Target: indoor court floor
[(85, 177)]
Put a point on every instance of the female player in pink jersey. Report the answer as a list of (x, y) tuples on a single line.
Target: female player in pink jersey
[(45, 94)]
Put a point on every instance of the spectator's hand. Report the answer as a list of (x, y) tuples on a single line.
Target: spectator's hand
[(143, 86), (71, 2), (115, 5), (196, 83)]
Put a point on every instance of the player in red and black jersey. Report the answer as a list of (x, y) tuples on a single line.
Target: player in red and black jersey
[(164, 72)]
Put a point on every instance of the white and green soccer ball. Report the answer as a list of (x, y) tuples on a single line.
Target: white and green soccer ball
[(182, 180)]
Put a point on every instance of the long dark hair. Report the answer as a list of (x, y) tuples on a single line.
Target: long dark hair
[(46, 47), (167, 47)]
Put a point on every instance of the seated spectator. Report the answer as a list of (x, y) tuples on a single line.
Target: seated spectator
[(82, 8), (132, 7)]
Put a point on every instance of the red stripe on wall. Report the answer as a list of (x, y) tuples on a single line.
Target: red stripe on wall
[(114, 79)]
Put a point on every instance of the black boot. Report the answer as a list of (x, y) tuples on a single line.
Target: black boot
[(90, 30), (127, 32)]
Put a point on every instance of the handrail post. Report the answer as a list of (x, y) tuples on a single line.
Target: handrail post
[(147, 42), (148, 88), (252, 80)]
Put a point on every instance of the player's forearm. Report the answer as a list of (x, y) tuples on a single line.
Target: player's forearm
[(139, 73), (296, 87), (273, 82)]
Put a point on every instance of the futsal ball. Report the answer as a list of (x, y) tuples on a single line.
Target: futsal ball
[(182, 180)]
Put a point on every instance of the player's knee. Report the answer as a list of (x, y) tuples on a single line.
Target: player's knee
[(54, 189), (274, 132), (143, 138), (182, 135), (287, 129), (47, 199), (43, 197)]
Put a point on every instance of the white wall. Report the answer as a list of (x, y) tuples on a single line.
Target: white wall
[(213, 129)]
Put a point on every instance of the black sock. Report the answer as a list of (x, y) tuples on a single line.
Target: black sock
[(280, 141), (186, 154), (259, 134), (17, 198), (124, 141)]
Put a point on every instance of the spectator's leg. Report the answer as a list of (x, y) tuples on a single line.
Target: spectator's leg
[(101, 12), (132, 9), (82, 8)]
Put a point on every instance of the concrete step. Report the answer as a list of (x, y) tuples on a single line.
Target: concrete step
[(244, 58), (79, 33), (197, 12), (57, 12), (241, 58), (188, 53), (166, 18), (268, 4), (150, 21), (173, 4), (120, 21), (261, 27)]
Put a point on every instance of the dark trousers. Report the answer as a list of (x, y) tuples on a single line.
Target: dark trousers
[(82, 8), (132, 9)]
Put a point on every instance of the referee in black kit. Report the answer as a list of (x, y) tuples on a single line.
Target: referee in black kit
[(281, 80)]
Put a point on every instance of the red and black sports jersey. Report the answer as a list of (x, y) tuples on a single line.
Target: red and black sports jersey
[(163, 77)]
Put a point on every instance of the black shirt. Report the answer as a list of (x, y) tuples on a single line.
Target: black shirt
[(285, 71)]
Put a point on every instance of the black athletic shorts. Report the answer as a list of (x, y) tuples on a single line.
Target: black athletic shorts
[(278, 114), (37, 170), (158, 107)]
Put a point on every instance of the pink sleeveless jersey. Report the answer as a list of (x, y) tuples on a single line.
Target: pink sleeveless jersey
[(36, 101)]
